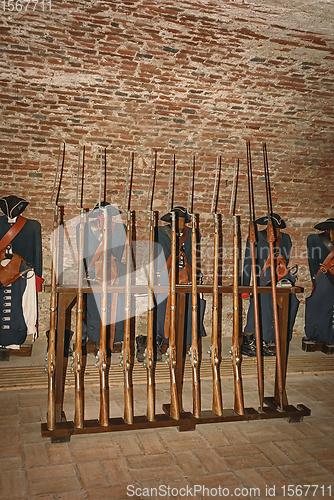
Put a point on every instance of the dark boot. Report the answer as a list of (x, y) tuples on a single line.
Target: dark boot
[(141, 343), (248, 346), (161, 348), (269, 348)]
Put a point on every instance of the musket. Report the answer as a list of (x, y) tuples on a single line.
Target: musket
[(217, 402), (252, 241), (174, 406), (195, 357), (271, 237), (79, 389), (103, 366), (150, 367), (51, 414), (127, 358), (236, 356)]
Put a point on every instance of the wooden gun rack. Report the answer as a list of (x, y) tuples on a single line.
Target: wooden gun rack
[(65, 429)]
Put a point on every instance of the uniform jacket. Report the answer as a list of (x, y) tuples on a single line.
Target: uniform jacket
[(27, 243), (18, 309)]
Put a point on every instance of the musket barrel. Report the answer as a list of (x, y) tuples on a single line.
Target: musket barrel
[(51, 415), (104, 387), (195, 357), (252, 241), (174, 407), (127, 358), (237, 356), (271, 237), (79, 404), (150, 365), (217, 404)]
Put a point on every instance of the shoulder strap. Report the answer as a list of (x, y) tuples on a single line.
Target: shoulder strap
[(267, 263), (12, 232), (327, 263)]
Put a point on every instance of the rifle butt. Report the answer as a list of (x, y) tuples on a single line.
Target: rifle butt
[(79, 409), (150, 413), (128, 392), (217, 404), (238, 399), (196, 393), (51, 415), (104, 393), (128, 405), (174, 404), (217, 400), (78, 392)]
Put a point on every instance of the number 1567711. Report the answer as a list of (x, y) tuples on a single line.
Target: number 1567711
[(25, 5)]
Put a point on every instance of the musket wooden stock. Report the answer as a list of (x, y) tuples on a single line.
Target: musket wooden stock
[(217, 404), (174, 407), (237, 356), (104, 387), (51, 415), (79, 400), (127, 361), (150, 313), (195, 358)]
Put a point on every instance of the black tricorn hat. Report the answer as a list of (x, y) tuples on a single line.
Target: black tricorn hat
[(181, 212), (327, 225), (111, 210), (12, 205), (276, 220)]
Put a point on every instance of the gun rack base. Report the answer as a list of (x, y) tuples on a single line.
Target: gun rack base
[(186, 422)]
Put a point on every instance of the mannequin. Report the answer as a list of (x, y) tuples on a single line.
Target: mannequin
[(319, 307), (283, 246), (18, 298)]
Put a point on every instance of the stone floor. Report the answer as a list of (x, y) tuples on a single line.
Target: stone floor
[(254, 459)]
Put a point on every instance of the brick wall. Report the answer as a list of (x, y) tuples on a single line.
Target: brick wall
[(191, 78)]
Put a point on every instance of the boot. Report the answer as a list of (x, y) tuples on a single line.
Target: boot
[(141, 343), (248, 346)]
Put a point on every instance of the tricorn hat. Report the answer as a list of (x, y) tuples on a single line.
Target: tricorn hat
[(97, 212), (327, 225), (181, 212), (276, 220), (12, 205)]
